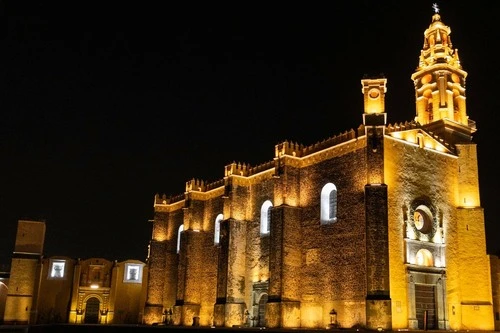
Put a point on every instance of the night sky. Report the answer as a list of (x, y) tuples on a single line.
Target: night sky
[(104, 104)]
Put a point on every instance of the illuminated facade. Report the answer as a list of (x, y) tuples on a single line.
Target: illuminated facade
[(380, 227), (64, 290)]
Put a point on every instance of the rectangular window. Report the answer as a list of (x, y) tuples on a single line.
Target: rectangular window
[(133, 273), (57, 269)]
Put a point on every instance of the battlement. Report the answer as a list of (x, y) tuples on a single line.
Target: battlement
[(164, 200), (289, 148), (402, 126), (202, 186), (244, 169), (329, 142), (299, 150), (239, 168), (195, 185)]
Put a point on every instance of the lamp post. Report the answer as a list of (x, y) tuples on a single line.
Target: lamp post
[(104, 313), (333, 319), (169, 316), (79, 315)]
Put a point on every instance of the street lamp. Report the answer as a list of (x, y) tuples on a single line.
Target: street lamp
[(333, 318)]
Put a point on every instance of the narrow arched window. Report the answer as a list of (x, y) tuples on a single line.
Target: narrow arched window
[(328, 204), (181, 229), (218, 219), (265, 217)]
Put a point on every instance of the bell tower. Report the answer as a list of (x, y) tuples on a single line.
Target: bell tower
[(440, 86)]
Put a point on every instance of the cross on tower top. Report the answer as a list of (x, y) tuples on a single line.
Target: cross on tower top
[(435, 7)]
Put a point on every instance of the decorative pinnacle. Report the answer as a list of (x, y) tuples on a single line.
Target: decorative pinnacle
[(435, 7)]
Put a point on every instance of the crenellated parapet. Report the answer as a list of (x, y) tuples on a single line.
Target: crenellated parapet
[(330, 142), (401, 126), (289, 148), (261, 167), (164, 200), (195, 185), (302, 154), (245, 170), (299, 150), (240, 169)]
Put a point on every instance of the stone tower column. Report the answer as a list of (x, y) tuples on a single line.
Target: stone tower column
[(378, 300), (20, 306), (162, 266), (283, 307), (230, 305), (191, 276)]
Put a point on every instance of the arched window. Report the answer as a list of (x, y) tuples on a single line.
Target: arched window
[(265, 217), (424, 258), (181, 229), (218, 219), (328, 204)]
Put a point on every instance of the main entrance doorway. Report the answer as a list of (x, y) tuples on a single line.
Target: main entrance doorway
[(427, 300), (92, 311), (425, 306)]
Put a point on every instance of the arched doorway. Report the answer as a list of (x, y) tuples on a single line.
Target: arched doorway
[(92, 311), (262, 310)]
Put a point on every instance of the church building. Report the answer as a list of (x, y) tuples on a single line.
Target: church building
[(379, 227)]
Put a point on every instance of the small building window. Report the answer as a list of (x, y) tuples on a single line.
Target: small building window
[(328, 214), (218, 220), (133, 273), (265, 217), (57, 269), (181, 229)]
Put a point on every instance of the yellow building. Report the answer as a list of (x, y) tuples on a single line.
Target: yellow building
[(379, 227), (63, 290)]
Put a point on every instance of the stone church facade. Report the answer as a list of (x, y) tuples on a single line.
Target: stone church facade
[(379, 227)]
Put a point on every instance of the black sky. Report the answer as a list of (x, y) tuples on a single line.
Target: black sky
[(104, 104)]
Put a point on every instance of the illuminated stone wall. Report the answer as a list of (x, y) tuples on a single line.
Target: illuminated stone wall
[(126, 298), (413, 174), (55, 294), (334, 268), (4, 282), (162, 264), (181, 285), (25, 272), (304, 268), (19, 301), (30, 237), (495, 285)]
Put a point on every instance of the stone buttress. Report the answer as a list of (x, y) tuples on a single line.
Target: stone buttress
[(378, 300)]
